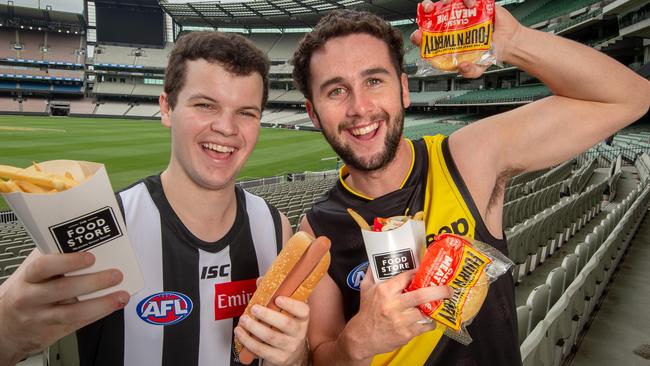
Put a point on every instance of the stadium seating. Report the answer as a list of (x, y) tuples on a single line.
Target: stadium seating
[(275, 93), (76, 74), (265, 41), (37, 45), (416, 126), (292, 96), (523, 322), (144, 110), (506, 95), (111, 88), (14, 243), (553, 337), (538, 303), (9, 104), (34, 105), (153, 57), (147, 90), (66, 48), (112, 109), (21, 70), (105, 54), (555, 281), (284, 47), (430, 98), (7, 39), (82, 107), (554, 8), (294, 198), (131, 56), (31, 42), (526, 8), (286, 117)]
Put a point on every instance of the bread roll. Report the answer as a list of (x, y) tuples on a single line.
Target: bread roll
[(295, 272)]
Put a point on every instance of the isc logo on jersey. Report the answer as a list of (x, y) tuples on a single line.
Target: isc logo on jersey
[(356, 276), (164, 308)]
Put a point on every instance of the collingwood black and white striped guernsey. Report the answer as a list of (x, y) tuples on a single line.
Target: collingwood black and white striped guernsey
[(194, 290)]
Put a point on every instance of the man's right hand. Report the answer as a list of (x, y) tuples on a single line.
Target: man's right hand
[(389, 318), (39, 306)]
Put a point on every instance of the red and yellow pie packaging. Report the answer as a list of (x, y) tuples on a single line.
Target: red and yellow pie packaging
[(453, 33), (466, 266)]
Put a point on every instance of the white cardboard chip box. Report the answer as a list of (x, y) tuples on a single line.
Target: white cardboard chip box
[(394, 251), (83, 218)]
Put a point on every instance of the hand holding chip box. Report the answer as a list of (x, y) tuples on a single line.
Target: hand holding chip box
[(69, 206)]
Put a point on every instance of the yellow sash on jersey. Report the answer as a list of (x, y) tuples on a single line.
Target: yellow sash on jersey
[(445, 211)]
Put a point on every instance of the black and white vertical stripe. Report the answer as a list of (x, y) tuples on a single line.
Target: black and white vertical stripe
[(171, 259)]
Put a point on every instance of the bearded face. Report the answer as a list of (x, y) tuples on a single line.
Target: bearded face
[(394, 127)]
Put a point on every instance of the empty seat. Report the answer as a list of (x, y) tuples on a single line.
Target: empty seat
[(534, 348), (583, 252), (9, 270), (558, 319), (570, 265), (10, 262), (523, 320), (538, 303), (555, 280)]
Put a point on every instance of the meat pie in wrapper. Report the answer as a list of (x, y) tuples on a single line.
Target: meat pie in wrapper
[(468, 267), (453, 33)]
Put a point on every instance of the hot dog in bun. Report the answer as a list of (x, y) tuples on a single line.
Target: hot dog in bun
[(300, 265)]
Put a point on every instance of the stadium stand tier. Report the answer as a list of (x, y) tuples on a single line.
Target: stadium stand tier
[(112, 108), (519, 94), (9, 104), (144, 110), (34, 105), (145, 57)]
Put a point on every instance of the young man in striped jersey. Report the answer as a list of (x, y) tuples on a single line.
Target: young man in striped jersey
[(350, 68), (201, 242)]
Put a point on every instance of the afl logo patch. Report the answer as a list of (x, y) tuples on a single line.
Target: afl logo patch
[(356, 276), (164, 308)]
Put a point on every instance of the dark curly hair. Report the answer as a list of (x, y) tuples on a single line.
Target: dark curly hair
[(340, 23), (234, 52)]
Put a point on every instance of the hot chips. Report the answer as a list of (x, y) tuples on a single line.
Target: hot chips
[(387, 222), (36, 166), (28, 187), (359, 220), (33, 181)]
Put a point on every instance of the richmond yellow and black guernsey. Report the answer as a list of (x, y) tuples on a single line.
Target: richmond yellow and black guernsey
[(435, 186)]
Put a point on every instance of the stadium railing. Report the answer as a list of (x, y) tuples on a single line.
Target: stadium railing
[(7, 216)]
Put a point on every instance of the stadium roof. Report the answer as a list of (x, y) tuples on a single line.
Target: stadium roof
[(277, 13), (13, 15)]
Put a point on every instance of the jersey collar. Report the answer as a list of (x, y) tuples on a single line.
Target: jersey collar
[(343, 173)]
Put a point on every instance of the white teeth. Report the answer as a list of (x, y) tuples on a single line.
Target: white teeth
[(365, 130), (218, 148)]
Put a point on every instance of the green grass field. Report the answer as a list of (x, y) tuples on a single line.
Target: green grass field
[(132, 149)]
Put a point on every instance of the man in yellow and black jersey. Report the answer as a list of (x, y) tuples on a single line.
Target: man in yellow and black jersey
[(351, 70)]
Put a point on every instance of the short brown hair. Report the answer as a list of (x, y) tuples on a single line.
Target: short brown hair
[(340, 23), (234, 52)]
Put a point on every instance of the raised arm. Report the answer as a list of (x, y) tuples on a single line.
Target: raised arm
[(594, 96)]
